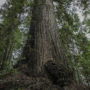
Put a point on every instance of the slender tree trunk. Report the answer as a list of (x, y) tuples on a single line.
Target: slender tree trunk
[(43, 43)]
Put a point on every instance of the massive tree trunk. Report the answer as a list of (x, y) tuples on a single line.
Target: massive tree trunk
[(43, 43)]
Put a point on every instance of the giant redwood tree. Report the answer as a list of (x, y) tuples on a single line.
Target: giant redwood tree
[(43, 55), (43, 43)]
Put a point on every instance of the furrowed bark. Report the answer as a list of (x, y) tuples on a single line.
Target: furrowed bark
[(43, 43)]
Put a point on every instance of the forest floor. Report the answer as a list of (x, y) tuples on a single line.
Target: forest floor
[(21, 81), (56, 78)]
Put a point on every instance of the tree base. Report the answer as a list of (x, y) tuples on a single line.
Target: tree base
[(20, 81)]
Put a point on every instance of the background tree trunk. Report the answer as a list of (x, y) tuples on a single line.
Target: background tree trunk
[(43, 43)]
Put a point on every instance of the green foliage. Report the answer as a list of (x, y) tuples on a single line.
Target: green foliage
[(12, 37), (73, 36), (11, 19)]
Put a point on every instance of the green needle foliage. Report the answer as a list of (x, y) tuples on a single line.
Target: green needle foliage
[(74, 40), (10, 34)]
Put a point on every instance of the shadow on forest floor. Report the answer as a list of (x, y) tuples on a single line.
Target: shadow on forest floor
[(22, 82), (57, 78)]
